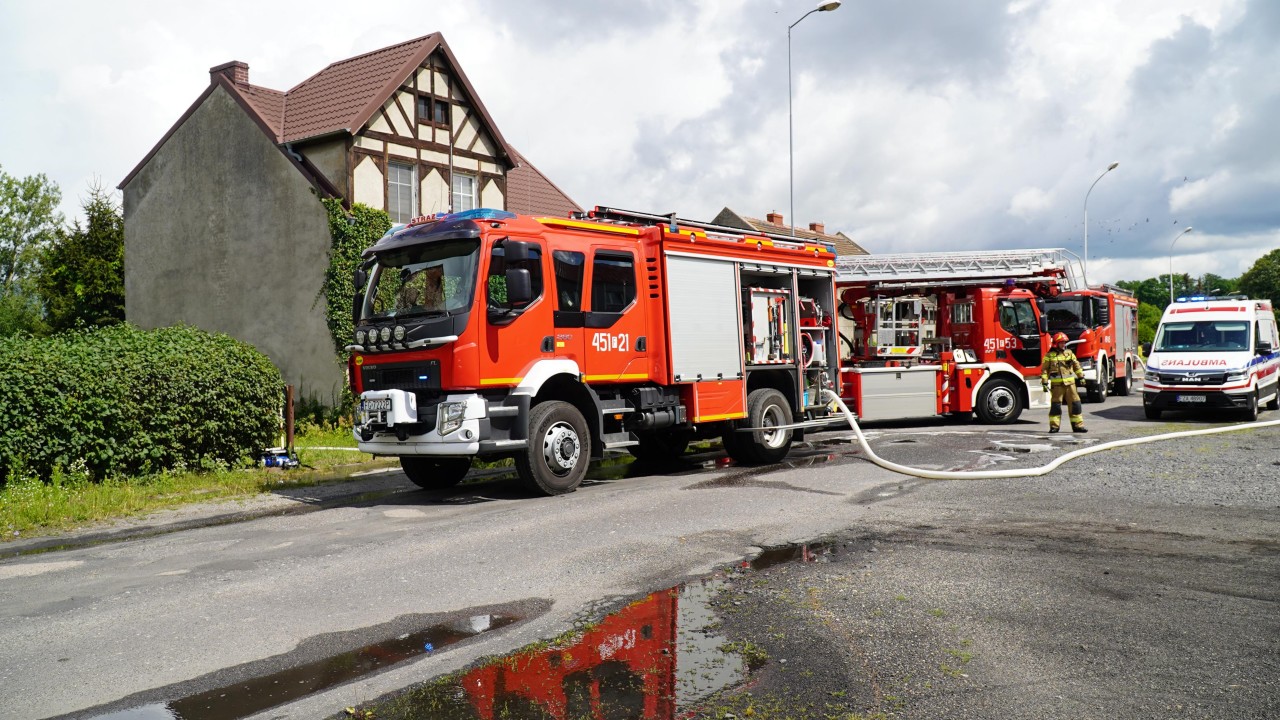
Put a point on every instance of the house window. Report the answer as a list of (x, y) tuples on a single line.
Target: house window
[(464, 192), (402, 198), (433, 111)]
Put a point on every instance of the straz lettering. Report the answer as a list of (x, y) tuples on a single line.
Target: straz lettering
[(1207, 362), (605, 342)]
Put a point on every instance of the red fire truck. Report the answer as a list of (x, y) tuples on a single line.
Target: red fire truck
[(1102, 323), (954, 333), (552, 340)]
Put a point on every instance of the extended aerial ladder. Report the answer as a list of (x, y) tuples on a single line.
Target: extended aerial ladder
[(906, 270)]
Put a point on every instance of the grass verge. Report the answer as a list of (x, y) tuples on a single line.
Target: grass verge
[(35, 507)]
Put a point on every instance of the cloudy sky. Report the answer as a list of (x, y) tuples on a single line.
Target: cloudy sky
[(920, 125)]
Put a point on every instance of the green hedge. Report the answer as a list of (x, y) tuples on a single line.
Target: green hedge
[(120, 401)]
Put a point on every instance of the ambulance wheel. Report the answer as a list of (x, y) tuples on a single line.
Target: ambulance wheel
[(1121, 384), (559, 449), (998, 403), (1251, 410), (660, 445), (435, 473), (766, 408), (1152, 413)]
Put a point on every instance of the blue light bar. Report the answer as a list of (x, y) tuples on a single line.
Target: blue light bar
[(482, 214)]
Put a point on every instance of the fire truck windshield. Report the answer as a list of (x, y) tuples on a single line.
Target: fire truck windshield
[(1068, 315), (431, 279), (1202, 336)]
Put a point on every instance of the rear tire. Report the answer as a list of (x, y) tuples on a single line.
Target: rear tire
[(1121, 384), (1152, 413), (435, 473), (998, 403), (559, 449), (766, 408)]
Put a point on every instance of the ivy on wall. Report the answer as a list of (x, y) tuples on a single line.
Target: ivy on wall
[(350, 233)]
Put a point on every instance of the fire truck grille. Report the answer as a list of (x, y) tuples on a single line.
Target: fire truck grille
[(403, 376)]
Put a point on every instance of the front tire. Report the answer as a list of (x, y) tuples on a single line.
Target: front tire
[(559, 449), (1096, 391), (1121, 384), (998, 403), (1251, 410), (435, 473)]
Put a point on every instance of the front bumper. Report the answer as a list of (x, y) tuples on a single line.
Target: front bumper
[(1195, 399), (486, 427)]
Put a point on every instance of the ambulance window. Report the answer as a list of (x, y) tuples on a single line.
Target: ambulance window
[(569, 268), (613, 282)]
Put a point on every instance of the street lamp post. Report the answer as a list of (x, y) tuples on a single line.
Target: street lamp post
[(791, 134), (1110, 167), (1175, 239)]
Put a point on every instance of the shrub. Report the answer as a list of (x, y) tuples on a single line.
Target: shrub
[(123, 401)]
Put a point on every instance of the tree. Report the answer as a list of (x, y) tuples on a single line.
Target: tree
[(81, 279), (28, 221), (1262, 281), (1148, 321)]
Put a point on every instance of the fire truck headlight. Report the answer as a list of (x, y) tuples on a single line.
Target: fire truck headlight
[(1086, 364), (399, 333), (386, 334), (451, 415), (359, 337)]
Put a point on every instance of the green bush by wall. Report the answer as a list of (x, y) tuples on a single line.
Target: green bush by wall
[(120, 401)]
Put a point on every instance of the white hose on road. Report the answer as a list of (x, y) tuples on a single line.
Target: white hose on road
[(1025, 472)]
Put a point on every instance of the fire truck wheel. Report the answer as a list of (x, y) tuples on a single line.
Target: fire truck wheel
[(1121, 384), (998, 402), (660, 445), (433, 473), (1096, 391), (559, 449), (766, 408)]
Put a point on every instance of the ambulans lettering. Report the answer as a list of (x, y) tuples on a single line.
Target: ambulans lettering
[(604, 342), (1196, 362)]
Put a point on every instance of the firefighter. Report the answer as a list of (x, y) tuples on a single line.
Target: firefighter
[(1058, 374)]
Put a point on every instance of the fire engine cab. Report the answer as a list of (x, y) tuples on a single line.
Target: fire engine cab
[(552, 340), (953, 334), (1214, 352)]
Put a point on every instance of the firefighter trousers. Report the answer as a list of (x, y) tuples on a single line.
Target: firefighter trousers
[(1065, 393)]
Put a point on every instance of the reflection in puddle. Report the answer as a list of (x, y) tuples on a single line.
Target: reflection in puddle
[(655, 659)]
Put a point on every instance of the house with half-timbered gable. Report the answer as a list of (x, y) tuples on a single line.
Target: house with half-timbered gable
[(223, 225)]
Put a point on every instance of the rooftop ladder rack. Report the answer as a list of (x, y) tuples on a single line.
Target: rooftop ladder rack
[(975, 265), (631, 216)]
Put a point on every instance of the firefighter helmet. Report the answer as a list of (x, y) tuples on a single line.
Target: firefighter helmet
[(1060, 339)]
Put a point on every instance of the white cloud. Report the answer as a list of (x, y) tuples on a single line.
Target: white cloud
[(1028, 202)]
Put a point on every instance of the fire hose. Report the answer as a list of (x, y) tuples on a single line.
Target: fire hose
[(1025, 472)]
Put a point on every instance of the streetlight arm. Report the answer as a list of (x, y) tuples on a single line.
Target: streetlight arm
[(801, 18)]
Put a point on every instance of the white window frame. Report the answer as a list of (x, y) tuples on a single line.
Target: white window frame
[(398, 214), (460, 199)]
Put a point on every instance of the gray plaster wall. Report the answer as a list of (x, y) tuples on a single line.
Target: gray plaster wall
[(330, 158), (222, 232)]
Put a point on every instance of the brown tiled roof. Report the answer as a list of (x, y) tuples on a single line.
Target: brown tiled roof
[(340, 98), (529, 192), (843, 243)]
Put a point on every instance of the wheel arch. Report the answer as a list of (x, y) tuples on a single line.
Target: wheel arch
[(567, 388)]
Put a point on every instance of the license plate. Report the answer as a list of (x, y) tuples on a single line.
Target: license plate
[(376, 405), (1190, 398)]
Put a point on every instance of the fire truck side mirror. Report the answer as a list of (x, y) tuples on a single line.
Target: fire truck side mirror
[(1146, 349), (1104, 312), (358, 279), (515, 251), (519, 287), (1044, 324)]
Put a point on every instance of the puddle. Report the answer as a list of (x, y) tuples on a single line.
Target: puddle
[(655, 659), (245, 698)]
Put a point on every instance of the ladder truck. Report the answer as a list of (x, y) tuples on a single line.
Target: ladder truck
[(485, 334), (947, 334)]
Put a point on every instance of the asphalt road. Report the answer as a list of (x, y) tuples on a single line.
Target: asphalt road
[(1125, 556)]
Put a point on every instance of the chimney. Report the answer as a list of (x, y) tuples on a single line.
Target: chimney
[(235, 71), (818, 228), (774, 218)]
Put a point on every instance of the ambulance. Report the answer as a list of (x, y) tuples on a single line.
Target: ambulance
[(1214, 353)]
